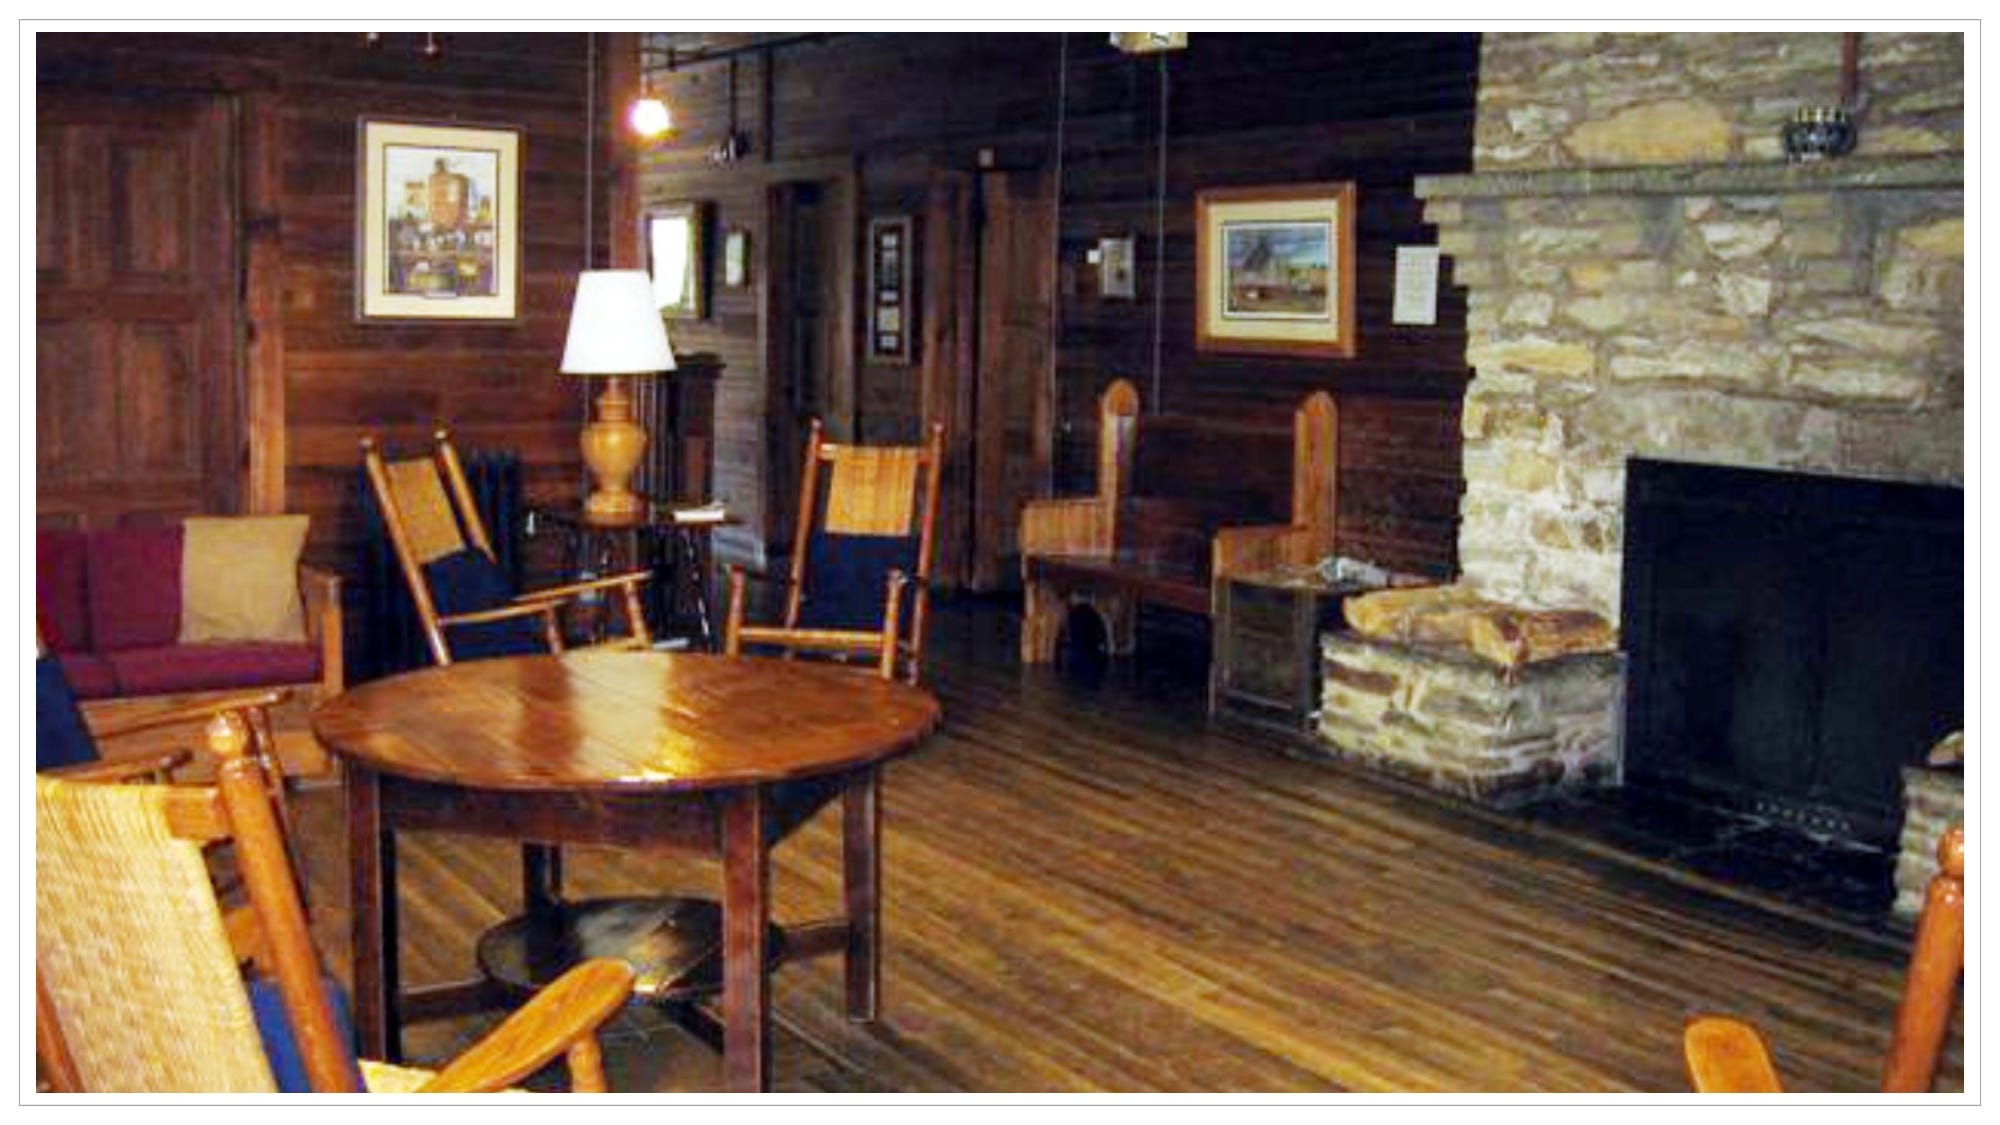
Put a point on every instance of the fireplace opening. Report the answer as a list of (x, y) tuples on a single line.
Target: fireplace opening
[(1794, 640)]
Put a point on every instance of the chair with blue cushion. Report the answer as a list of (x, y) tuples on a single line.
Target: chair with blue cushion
[(859, 580), (466, 603), (139, 984)]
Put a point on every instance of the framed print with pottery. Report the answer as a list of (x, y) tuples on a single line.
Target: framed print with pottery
[(890, 294), (677, 256), (438, 236), (1274, 270)]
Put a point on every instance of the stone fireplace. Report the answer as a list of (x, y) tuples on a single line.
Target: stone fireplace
[(1648, 278)]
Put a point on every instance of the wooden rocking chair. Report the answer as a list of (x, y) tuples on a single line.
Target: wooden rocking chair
[(466, 605), (867, 517), (139, 985)]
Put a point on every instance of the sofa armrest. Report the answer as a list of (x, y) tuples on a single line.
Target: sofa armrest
[(325, 625)]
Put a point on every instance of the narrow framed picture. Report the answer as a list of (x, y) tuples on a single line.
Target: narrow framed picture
[(438, 229), (675, 236), (1274, 270), (736, 258), (890, 300)]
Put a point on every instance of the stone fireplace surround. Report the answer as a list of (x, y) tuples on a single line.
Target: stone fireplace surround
[(1803, 317)]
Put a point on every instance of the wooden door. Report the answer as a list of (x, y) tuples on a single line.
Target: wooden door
[(1011, 438), (137, 337)]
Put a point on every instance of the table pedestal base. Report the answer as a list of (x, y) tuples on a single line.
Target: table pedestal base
[(674, 945)]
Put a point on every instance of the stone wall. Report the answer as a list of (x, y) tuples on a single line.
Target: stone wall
[(1463, 726), (1646, 278), (1600, 99)]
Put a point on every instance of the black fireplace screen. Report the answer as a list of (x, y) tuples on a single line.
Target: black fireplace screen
[(1793, 639)]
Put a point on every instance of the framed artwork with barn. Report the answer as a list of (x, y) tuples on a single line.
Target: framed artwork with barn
[(438, 236), (1274, 270)]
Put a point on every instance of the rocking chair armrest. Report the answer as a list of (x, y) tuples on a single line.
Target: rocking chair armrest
[(1727, 1056), (772, 577), (571, 590), (157, 766), (561, 1017), (503, 613), (191, 712)]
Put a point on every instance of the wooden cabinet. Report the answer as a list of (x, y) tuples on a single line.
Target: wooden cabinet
[(1264, 669)]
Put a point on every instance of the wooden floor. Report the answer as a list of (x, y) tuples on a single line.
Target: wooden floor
[(1090, 890)]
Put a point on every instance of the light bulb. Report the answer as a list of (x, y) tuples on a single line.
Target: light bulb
[(650, 117)]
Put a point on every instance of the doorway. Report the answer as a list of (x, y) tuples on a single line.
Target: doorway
[(809, 357)]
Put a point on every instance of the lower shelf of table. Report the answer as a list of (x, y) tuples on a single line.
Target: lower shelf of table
[(674, 945)]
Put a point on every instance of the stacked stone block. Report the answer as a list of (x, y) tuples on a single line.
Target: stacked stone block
[(1461, 725), (1933, 801)]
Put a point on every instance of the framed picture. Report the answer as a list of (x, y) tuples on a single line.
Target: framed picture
[(438, 236), (736, 258), (1274, 270), (677, 256), (890, 294)]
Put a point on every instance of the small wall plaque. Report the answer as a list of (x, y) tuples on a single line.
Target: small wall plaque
[(890, 292)]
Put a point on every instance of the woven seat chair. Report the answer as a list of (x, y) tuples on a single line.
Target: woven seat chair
[(464, 602), (139, 984), (859, 581), (1728, 1056)]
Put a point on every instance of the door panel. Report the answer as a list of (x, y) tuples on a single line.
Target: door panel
[(137, 362)]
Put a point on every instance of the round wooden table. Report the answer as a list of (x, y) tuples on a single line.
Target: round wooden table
[(705, 755)]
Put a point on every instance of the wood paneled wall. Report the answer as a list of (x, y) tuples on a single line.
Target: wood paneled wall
[(299, 100), (1378, 109)]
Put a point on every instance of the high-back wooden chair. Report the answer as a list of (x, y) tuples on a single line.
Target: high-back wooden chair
[(859, 580), (1728, 1056), (139, 985), (465, 603)]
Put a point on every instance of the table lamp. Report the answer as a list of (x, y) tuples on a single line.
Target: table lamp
[(615, 332)]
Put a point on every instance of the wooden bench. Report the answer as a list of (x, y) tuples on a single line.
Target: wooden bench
[(1180, 502)]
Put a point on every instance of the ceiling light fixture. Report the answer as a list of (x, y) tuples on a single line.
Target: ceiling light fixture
[(1149, 42)]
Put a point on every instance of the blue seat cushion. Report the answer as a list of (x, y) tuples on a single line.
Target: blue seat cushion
[(61, 737), (281, 1047), (846, 576), (466, 581)]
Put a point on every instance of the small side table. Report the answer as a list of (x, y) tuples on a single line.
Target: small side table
[(1264, 667), (676, 551)]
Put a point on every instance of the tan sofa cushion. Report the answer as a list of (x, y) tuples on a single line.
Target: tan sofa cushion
[(240, 579)]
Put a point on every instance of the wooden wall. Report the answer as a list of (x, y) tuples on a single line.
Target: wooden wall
[(1239, 109), (328, 379)]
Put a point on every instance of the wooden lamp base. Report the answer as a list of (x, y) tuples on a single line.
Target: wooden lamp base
[(612, 447)]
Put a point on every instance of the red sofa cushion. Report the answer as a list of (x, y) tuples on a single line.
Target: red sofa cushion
[(135, 587), (212, 667), (90, 677), (60, 594)]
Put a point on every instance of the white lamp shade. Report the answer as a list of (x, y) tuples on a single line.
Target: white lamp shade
[(614, 326)]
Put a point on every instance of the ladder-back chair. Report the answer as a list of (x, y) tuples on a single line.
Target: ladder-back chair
[(139, 985), (859, 580), (465, 603), (1728, 1056)]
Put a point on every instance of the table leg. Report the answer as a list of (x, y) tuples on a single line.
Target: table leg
[(746, 909), (861, 860), (541, 880), (372, 872)]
